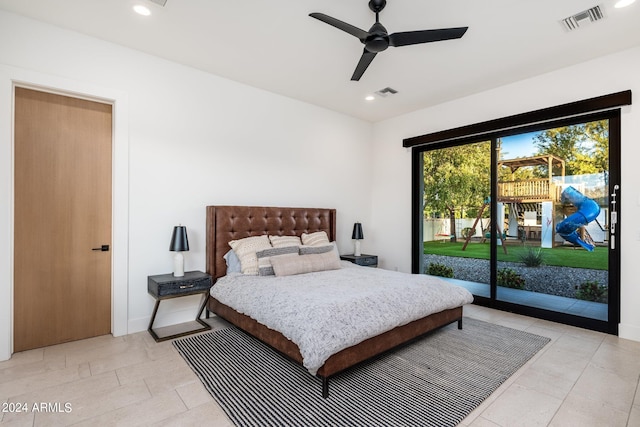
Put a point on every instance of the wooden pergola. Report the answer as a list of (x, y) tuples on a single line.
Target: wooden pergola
[(548, 160), (532, 190)]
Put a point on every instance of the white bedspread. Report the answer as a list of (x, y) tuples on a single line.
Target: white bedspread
[(328, 311)]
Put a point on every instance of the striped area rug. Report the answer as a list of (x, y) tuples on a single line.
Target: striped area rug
[(435, 381)]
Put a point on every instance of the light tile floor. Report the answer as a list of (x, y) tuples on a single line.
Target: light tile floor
[(581, 378)]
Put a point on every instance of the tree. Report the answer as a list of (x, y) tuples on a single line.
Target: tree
[(584, 147), (455, 179)]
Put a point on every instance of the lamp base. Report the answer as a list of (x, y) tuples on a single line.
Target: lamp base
[(178, 265), (356, 248)]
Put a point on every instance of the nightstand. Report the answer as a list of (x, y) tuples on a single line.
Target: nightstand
[(364, 259), (166, 286)]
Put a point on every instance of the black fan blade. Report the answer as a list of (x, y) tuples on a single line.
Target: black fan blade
[(354, 31), (425, 36), (364, 62)]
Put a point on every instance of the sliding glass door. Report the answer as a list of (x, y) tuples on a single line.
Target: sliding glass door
[(457, 214), (527, 219)]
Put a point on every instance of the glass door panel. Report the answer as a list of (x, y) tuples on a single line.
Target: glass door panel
[(526, 219), (552, 202), (456, 208)]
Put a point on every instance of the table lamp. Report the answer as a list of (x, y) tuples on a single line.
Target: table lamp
[(179, 244), (357, 235)]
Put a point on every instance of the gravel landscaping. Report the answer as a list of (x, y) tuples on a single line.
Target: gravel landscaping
[(550, 280)]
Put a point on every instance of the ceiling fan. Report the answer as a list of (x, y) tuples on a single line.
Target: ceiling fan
[(377, 39)]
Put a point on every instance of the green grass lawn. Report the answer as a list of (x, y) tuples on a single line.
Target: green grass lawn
[(559, 256)]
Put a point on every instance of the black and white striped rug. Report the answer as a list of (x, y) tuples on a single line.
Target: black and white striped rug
[(436, 381)]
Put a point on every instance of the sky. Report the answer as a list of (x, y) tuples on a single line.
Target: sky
[(520, 145)]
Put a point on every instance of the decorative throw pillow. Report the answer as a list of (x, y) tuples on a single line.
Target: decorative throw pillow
[(307, 250), (284, 241), (319, 238), (266, 255), (246, 250), (288, 265)]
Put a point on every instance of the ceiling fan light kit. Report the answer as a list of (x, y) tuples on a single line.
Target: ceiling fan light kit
[(377, 39)]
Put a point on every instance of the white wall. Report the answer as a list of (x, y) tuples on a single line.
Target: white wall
[(194, 140), (391, 199)]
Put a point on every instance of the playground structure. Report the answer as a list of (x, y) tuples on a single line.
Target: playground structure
[(531, 204), (548, 210), (492, 226), (587, 211), (544, 210)]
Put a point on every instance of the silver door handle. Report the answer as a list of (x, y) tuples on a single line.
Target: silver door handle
[(613, 217)]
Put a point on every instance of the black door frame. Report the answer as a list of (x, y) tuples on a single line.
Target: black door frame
[(578, 112)]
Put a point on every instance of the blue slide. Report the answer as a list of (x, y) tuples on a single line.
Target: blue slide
[(588, 210)]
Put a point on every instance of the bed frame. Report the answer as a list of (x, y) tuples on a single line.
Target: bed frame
[(226, 223)]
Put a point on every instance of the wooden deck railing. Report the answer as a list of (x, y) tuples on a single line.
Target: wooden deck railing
[(523, 191)]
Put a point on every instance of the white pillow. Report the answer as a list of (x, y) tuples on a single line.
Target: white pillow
[(246, 250), (335, 248), (284, 241), (319, 238)]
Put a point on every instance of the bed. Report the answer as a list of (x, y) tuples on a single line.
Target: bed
[(228, 223)]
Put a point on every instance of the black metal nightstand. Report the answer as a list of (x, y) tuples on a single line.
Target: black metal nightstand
[(364, 259), (166, 286)]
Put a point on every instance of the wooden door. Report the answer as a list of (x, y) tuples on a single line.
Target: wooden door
[(62, 210)]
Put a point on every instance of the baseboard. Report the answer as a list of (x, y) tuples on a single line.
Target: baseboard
[(629, 332)]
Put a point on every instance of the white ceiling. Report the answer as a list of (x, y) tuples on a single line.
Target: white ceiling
[(276, 46)]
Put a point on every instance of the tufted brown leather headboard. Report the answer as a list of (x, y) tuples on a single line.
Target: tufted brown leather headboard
[(226, 223)]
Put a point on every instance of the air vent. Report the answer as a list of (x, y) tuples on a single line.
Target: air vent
[(160, 2), (386, 92), (583, 18)]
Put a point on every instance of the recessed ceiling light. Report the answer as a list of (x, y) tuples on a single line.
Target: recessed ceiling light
[(370, 98), (142, 10), (623, 3)]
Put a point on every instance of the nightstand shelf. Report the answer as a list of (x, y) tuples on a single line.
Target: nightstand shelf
[(364, 259), (166, 286)]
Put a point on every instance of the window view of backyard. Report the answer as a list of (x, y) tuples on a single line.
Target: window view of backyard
[(551, 227)]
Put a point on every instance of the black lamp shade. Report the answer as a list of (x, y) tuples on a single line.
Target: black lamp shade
[(179, 241), (357, 232)]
